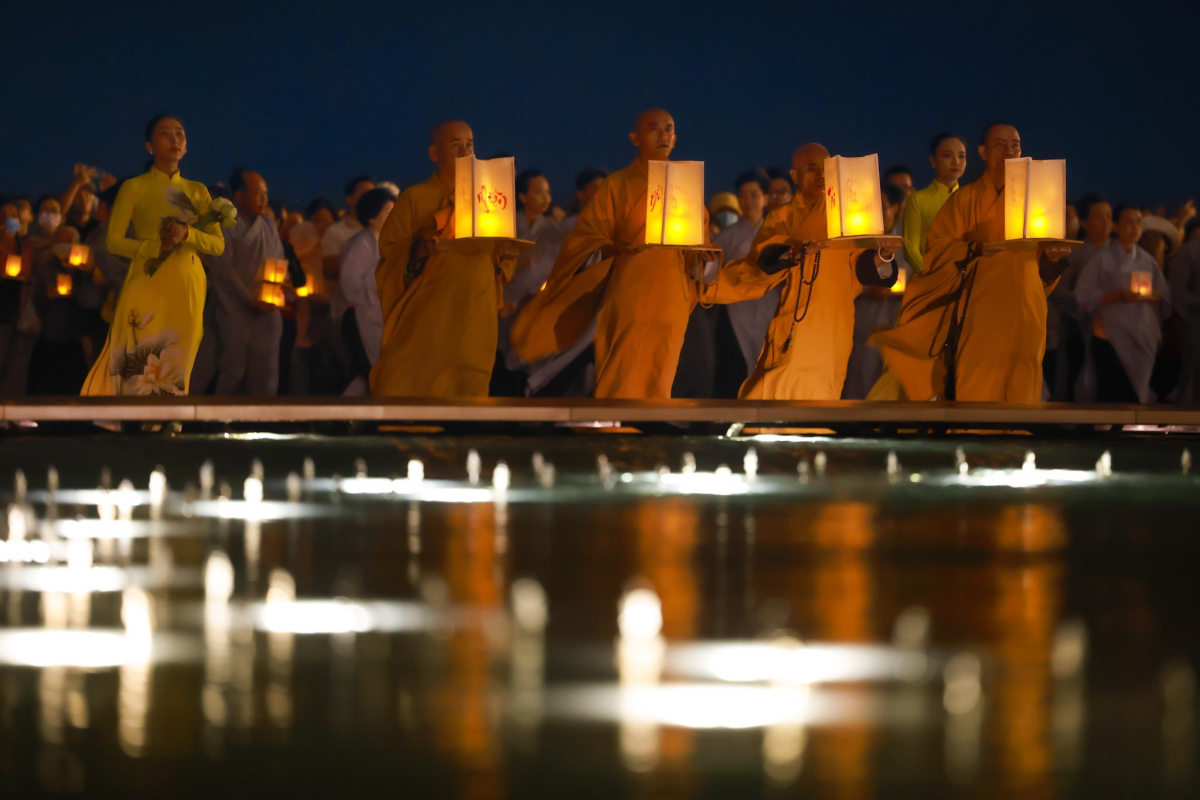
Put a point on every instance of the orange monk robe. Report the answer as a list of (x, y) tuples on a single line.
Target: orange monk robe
[(439, 325), (641, 302), (1004, 333), (814, 366)]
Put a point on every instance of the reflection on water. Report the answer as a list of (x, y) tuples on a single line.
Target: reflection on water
[(838, 616)]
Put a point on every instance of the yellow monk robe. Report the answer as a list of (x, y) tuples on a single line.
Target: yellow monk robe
[(1004, 332), (439, 318), (813, 367), (641, 301)]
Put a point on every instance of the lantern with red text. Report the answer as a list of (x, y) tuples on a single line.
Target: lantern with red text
[(852, 197), (485, 198), (1035, 199), (675, 203)]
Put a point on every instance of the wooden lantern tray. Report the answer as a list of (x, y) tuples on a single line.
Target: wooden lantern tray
[(1032, 244), (855, 242), (484, 245)]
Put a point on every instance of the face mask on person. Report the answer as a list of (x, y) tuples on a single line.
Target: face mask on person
[(13, 225), (726, 218), (49, 221), (63, 251)]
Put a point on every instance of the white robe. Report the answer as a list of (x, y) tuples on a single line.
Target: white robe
[(749, 318), (1133, 329), (360, 257), (871, 313), (247, 338)]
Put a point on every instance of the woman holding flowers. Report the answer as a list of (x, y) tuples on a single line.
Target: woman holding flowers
[(158, 322)]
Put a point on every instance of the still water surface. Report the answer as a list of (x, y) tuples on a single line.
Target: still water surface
[(817, 617)]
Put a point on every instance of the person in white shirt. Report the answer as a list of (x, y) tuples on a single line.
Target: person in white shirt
[(876, 307), (749, 318), (363, 322), (587, 183), (341, 231), (510, 375), (1126, 327)]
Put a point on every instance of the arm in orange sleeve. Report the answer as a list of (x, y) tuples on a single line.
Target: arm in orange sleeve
[(395, 249), (946, 243)]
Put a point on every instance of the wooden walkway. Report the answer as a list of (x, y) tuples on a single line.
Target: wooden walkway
[(591, 412)]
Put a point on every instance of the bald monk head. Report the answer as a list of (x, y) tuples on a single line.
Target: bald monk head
[(808, 172), (250, 194), (449, 141), (653, 135), (1000, 141)]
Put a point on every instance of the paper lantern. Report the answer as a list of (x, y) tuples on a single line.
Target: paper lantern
[(271, 294), (14, 267), (1035, 199), (675, 203), (852, 196), (1141, 283), (901, 280), (80, 255), (485, 198), (275, 270), (64, 285)]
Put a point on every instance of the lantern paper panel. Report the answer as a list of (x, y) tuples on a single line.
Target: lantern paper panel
[(675, 203), (80, 255), (1141, 283), (485, 198), (853, 202), (1035, 199), (275, 270), (901, 280), (64, 285), (272, 294), (13, 266)]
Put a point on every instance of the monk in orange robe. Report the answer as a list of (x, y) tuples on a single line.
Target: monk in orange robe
[(439, 306), (640, 298), (973, 324), (808, 342)]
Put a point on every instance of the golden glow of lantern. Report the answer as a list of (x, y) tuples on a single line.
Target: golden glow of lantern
[(901, 280), (64, 285), (485, 198), (303, 291), (1035, 199), (675, 203), (80, 254), (271, 294), (275, 270), (13, 266), (853, 200), (1141, 283)]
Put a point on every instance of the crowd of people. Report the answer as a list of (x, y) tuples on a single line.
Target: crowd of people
[(365, 296)]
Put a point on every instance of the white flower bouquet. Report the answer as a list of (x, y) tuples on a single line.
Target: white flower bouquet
[(221, 210)]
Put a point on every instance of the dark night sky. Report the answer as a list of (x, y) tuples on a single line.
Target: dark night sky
[(310, 98)]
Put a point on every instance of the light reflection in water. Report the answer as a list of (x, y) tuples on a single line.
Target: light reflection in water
[(475, 666)]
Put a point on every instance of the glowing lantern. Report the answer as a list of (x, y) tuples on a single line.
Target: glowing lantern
[(901, 280), (675, 203), (852, 196), (485, 198), (14, 267), (1035, 199), (80, 255), (1141, 283), (275, 270), (64, 285), (304, 291), (271, 294)]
